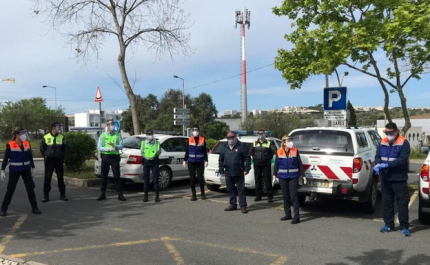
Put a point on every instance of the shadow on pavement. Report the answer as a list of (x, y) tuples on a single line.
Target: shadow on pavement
[(385, 256)]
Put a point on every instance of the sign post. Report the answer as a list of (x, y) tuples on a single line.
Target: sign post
[(335, 99), (181, 116), (99, 99)]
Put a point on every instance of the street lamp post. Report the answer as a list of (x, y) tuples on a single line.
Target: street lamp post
[(55, 91), (10, 80), (183, 101)]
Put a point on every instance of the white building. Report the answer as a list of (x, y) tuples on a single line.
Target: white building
[(257, 112), (91, 118), (229, 112)]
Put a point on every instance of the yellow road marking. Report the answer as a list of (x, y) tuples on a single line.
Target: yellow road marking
[(280, 261), (16, 226), (411, 201), (121, 230), (172, 250), (119, 244)]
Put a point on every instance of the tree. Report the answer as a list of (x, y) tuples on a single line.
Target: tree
[(352, 116), (328, 34), (157, 25), (216, 130), (147, 111), (202, 110)]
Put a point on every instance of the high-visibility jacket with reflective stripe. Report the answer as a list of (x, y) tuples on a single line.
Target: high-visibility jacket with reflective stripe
[(288, 165), (196, 150), (389, 153), (54, 145), (150, 151), (19, 159), (107, 140), (262, 152)]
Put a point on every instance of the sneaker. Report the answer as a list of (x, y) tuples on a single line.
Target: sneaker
[(406, 232), (36, 211), (385, 229)]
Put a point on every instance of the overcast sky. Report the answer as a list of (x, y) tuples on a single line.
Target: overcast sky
[(34, 56)]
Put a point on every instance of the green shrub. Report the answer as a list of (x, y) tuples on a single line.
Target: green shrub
[(80, 148), (210, 143), (416, 154)]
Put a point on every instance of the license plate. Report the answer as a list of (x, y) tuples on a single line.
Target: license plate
[(318, 183)]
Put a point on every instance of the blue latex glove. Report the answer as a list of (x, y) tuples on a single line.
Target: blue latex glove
[(383, 165), (376, 169)]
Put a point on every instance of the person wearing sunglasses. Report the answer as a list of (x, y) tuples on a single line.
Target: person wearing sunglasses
[(391, 163), (234, 163), (289, 167), (18, 155), (262, 155)]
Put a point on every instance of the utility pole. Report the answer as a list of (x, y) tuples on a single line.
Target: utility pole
[(243, 18)]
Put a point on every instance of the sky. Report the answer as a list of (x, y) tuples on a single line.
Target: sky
[(36, 56)]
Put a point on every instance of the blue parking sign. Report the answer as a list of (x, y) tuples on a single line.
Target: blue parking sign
[(335, 98)]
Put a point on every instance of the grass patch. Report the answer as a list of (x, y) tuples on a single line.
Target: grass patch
[(86, 172), (416, 154), (413, 186)]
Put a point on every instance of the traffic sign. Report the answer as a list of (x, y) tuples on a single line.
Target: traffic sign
[(335, 98), (338, 123), (334, 115), (99, 97), (181, 111), (181, 116), (181, 122)]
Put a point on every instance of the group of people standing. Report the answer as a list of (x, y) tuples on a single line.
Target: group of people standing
[(19, 156)]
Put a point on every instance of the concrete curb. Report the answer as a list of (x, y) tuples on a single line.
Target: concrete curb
[(14, 261), (82, 183)]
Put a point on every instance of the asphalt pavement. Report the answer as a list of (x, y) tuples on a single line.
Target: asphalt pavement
[(179, 231)]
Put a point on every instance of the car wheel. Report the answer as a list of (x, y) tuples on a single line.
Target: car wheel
[(164, 178), (212, 187), (370, 205), (302, 199), (423, 217)]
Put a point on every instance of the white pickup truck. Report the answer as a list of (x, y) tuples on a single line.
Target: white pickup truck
[(338, 163)]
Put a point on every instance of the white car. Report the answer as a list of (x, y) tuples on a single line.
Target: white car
[(338, 163), (171, 157), (423, 187), (214, 180)]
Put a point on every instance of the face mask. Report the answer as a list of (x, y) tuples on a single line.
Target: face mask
[(391, 138), (23, 137), (195, 133), (231, 141), (290, 145), (112, 128), (261, 137), (150, 138), (58, 129)]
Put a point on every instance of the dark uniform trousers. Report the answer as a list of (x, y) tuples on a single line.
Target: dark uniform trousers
[(236, 188), (196, 170), (111, 161), (395, 190), (11, 185), (52, 164), (147, 167), (263, 173), (289, 193)]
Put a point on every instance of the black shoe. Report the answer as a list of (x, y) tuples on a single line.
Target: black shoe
[(286, 217), (257, 199), (36, 211), (157, 197), (243, 210), (45, 199), (102, 197), (270, 199), (203, 196), (63, 198), (145, 197), (295, 221), (3, 213), (230, 208), (193, 198), (121, 197)]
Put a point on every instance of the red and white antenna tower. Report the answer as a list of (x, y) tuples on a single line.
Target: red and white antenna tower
[(243, 18)]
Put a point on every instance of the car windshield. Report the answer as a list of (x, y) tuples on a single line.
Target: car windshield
[(323, 141), (132, 142)]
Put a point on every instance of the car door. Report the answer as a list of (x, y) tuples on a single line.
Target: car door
[(174, 149)]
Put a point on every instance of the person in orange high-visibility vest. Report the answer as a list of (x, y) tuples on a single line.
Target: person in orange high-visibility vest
[(197, 157), (289, 167), (18, 155)]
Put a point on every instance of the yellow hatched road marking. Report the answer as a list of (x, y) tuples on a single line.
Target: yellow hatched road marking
[(172, 250), (16, 226)]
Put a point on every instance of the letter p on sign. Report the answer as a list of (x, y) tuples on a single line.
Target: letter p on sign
[(335, 98)]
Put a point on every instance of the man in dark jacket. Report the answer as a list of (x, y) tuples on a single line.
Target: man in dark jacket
[(53, 149), (234, 163), (391, 162), (262, 152)]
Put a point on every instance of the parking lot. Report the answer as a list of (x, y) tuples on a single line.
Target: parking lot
[(179, 231)]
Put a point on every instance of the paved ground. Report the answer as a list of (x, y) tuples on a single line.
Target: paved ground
[(178, 231)]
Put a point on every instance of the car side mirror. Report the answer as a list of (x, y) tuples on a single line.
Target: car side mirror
[(424, 149)]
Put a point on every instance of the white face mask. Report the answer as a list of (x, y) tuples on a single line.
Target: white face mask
[(290, 144), (195, 133), (231, 141), (391, 138), (150, 138), (23, 137), (58, 129)]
